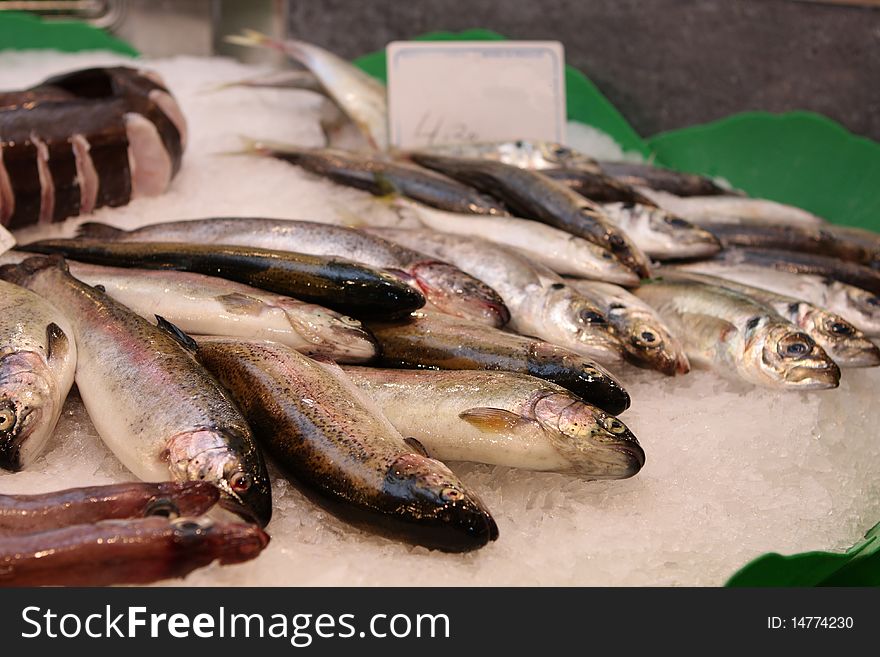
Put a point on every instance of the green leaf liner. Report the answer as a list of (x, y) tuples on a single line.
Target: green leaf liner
[(20, 31)]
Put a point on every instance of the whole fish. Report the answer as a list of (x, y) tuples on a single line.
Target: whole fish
[(136, 551), (434, 341), (598, 187), (205, 305), (531, 195), (560, 251), (846, 344), (380, 176), (805, 263), (37, 364), (646, 340), (286, 79), (334, 282), (447, 288), (859, 307), (81, 506), (638, 174), (724, 209), (361, 97), (503, 418), (660, 234), (735, 335), (169, 416), (334, 444), (540, 302), (522, 153), (820, 240)]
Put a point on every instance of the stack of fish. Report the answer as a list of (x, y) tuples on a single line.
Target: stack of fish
[(517, 275)]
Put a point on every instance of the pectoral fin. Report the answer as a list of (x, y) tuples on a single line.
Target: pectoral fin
[(417, 446), (493, 420), (179, 336), (241, 304), (57, 342)]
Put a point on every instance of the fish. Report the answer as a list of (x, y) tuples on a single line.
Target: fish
[(444, 286), (598, 187), (857, 306), (502, 418), (37, 365), (286, 79), (81, 506), (724, 209), (646, 339), (739, 337), (434, 341), (679, 183), (850, 273), (819, 240), (560, 251), (170, 419), (337, 283), (134, 551), (522, 153), (335, 445), (842, 341), (540, 302), (662, 235), (531, 195), (380, 176), (361, 96)]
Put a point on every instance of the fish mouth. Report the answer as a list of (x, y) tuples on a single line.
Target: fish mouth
[(814, 375), (12, 443), (453, 292), (862, 355)]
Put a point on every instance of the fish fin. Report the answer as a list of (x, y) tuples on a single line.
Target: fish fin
[(706, 328), (93, 230), (492, 420), (241, 304), (182, 338), (250, 39), (417, 446), (58, 344), (386, 187)]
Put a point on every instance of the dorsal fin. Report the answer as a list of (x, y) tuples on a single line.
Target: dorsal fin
[(182, 338), (98, 231)]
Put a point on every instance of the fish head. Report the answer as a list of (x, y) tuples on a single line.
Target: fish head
[(456, 293), (29, 405), (597, 444), (780, 355), (840, 339), (230, 542), (231, 463), (556, 155), (650, 344), (863, 302), (686, 240), (441, 513), (587, 328), (329, 333)]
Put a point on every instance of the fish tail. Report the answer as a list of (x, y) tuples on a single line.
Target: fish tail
[(21, 273), (252, 39), (98, 231)]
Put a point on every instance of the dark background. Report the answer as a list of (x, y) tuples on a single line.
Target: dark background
[(664, 63)]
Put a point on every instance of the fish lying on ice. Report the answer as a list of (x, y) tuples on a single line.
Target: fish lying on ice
[(37, 364), (664, 180), (170, 419), (522, 153), (337, 447), (502, 418)]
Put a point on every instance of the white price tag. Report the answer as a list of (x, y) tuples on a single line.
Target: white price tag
[(7, 241), (459, 91)]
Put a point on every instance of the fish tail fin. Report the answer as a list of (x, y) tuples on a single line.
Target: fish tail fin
[(252, 39), (98, 231), (21, 273), (265, 148)]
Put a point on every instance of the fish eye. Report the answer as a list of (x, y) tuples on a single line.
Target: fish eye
[(840, 328), (614, 425), (557, 286), (162, 507), (616, 241), (7, 419), (647, 338), (241, 482), (451, 494), (561, 151), (592, 317), (677, 222), (795, 346)]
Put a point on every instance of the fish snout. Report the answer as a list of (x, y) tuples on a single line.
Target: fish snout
[(454, 292)]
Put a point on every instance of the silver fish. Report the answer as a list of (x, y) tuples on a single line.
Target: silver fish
[(660, 234), (859, 307), (170, 418), (540, 302), (37, 363), (502, 418), (646, 339), (735, 335), (846, 344), (562, 252), (707, 209), (523, 153), (361, 96), (449, 289)]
